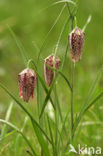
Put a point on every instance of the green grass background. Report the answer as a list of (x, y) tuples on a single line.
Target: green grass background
[(31, 22)]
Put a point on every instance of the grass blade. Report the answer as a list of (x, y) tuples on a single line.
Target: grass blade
[(49, 32), (94, 101), (87, 100), (19, 131), (41, 140), (20, 46), (87, 22), (25, 110), (64, 1), (51, 121), (87, 107), (17, 142), (8, 134), (65, 54), (45, 88), (93, 86), (47, 98), (50, 131), (3, 130), (51, 134), (63, 128), (59, 108)]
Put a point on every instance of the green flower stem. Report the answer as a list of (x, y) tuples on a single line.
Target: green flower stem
[(56, 123), (55, 102), (72, 99), (72, 91), (56, 115)]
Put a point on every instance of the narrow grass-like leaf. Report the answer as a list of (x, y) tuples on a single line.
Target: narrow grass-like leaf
[(64, 77), (51, 121), (69, 11), (94, 101), (93, 86), (60, 37), (25, 110), (50, 131), (20, 46), (59, 108), (63, 128), (17, 146), (3, 130), (8, 134), (64, 1), (86, 108), (17, 142), (47, 98), (58, 2), (90, 123), (87, 22), (49, 33), (41, 140), (45, 88), (64, 58), (87, 100), (19, 131)]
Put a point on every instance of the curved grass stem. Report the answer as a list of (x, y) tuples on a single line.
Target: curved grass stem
[(20, 132)]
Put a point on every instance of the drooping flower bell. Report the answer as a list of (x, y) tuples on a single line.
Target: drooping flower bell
[(49, 73), (27, 82), (76, 40)]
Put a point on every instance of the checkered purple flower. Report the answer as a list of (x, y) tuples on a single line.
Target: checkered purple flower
[(76, 40), (49, 73), (27, 82)]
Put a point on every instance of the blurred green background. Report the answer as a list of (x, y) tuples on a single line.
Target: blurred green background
[(31, 20)]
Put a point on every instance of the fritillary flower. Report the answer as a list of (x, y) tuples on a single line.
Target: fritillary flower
[(76, 40), (27, 82), (49, 73)]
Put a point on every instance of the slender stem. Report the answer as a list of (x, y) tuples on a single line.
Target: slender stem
[(56, 120), (56, 123), (72, 92), (72, 99), (55, 150), (69, 11)]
